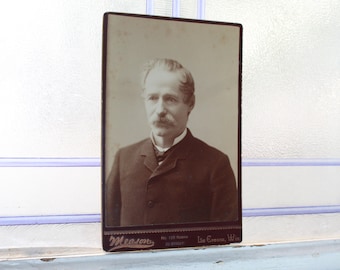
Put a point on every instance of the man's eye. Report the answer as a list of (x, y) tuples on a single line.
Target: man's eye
[(171, 100), (152, 98)]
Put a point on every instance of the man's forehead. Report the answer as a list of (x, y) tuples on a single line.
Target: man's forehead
[(162, 76)]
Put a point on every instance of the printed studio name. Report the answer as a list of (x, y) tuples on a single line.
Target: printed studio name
[(135, 243), (209, 239), (122, 242)]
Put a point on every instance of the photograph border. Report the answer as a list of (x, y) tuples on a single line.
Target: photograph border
[(168, 235)]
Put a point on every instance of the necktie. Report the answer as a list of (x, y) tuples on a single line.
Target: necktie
[(160, 155)]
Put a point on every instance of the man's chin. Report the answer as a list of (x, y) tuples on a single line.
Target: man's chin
[(160, 131)]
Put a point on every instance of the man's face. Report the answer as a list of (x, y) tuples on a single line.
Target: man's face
[(164, 102)]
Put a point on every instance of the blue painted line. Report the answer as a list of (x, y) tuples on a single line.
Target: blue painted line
[(49, 219), (149, 7), (50, 162), (291, 162), (294, 210), (96, 162), (200, 9), (96, 218), (175, 8)]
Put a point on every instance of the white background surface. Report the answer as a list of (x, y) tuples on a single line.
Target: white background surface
[(50, 66)]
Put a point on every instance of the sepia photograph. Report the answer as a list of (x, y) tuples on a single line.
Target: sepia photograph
[(171, 132)]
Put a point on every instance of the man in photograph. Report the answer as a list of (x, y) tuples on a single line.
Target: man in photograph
[(170, 177)]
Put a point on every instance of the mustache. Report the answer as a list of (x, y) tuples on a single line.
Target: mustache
[(162, 121)]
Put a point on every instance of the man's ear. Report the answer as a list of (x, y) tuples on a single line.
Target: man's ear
[(191, 102)]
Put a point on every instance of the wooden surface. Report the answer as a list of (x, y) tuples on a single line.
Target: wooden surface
[(323, 254)]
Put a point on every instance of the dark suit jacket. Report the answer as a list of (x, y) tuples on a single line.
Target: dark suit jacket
[(195, 183)]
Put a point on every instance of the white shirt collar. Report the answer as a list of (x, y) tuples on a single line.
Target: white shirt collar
[(176, 141)]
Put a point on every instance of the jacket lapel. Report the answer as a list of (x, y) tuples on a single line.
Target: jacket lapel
[(167, 165), (179, 152), (150, 160)]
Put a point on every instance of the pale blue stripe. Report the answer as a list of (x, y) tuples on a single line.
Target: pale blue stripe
[(294, 210), (175, 8), (96, 162), (49, 219), (200, 9), (95, 218), (149, 7), (50, 162), (291, 162)]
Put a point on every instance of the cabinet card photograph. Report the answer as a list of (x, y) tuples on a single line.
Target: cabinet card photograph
[(171, 132)]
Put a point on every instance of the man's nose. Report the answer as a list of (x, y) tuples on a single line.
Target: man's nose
[(160, 109)]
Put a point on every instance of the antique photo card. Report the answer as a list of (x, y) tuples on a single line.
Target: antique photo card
[(171, 132)]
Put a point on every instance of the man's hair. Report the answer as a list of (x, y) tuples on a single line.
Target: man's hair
[(186, 83)]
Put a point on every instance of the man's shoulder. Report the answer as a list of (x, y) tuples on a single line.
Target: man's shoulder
[(207, 147), (204, 148), (134, 146)]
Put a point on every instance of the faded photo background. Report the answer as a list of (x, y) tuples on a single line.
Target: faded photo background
[(209, 51)]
